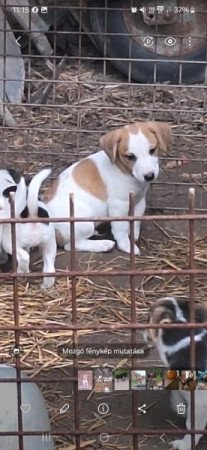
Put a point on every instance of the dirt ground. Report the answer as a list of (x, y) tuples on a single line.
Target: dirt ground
[(105, 300), (159, 414)]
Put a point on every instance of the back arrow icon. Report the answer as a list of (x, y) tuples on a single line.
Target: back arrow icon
[(161, 437), (18, 40)]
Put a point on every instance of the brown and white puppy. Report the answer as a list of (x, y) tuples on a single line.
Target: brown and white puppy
[(174, 346), (102, 182)]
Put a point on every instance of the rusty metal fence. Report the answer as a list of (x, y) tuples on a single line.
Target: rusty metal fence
[(69, 93)]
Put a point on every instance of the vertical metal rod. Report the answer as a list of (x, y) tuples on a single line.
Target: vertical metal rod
[(74, 319), (5, 37), (104, 66), (17, 333), (192, 303), (80, 40), (28, 132), (133, 310), (131, 38), (54, 74)]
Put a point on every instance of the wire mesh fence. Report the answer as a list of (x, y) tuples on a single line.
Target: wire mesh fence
[(70, 72)]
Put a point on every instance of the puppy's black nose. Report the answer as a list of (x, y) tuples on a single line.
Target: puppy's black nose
[(149, 176)]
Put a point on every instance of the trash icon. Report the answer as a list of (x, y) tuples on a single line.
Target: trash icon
[(181, 408)]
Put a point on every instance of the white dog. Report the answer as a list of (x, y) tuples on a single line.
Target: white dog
[(30, 235), (174, 349), (102, 182), (8, 183)]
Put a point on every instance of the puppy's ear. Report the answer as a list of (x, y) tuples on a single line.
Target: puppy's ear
[(159, 314), (200, 313), (14, 174), (109, 142), (162, 132), (7, 191)]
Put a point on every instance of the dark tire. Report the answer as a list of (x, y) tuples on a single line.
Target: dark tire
[(142, 71)]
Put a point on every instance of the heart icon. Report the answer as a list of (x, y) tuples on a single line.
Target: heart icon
[(25, 408)]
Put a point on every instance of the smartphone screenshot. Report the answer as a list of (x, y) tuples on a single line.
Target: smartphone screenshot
[(103, 225)]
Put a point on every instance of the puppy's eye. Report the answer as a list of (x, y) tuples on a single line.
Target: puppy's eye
[(130, 157), (152, 151)]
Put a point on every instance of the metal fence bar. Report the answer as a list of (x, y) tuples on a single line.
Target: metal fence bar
[(133, 311), (192, 304), (121, 432), (92, 326), (74, 320), (17, 333)]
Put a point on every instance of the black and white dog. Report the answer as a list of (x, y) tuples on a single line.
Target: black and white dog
[(9, 178), (28, 235), (174, 349)]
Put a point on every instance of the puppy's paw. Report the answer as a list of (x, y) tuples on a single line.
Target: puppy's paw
[(180, 444), (125, 247), (23, 267), (104, 245), (137, 250), (48, 282), (23, 261)]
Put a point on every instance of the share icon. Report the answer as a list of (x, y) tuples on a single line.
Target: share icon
[(142, 408)]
